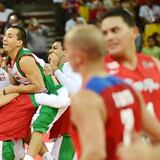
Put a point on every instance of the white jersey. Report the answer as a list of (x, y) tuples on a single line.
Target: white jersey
[(18, 75), (70, 79), (4, 78)]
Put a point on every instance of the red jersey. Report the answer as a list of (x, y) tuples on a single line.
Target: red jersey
[(123, 113), (61, 126), (15, 118), (144, 78)]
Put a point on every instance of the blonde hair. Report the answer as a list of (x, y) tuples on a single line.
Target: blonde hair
[(87, 38)]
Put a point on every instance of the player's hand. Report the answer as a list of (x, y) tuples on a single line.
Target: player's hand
[(137, 151), (10, 89), (48, 69), (53, 61)]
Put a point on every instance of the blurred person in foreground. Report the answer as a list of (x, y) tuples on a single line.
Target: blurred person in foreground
[(141, 71), (106, 111)]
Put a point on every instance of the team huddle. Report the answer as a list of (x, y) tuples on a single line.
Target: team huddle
[(98, 98)]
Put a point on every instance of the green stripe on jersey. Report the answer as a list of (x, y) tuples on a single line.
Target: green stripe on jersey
[(66, 150)]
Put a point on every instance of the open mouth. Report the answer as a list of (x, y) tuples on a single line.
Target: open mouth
[(4, 45)]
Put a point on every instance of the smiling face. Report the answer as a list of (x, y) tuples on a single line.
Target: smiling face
[(10, 41), (119, 37)]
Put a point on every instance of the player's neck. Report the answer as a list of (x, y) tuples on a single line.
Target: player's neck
[(129, 59), (14, 53), (95, 68)]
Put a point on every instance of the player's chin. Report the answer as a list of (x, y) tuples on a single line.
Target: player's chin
[(5, 50), (114, 51)]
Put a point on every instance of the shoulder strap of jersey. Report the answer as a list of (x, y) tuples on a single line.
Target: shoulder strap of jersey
[(23, 52)]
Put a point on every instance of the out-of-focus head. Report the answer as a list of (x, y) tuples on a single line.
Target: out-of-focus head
[(15, 37), (13, 18), (119, 30), (34, 22), (150, 41), (84, 44), (156, 37), (2, 5)]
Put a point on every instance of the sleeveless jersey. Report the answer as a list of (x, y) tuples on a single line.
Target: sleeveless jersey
[(61, 126), (123, 112), (4, 79), (16, 115), (73, 84), (144, 78), (16, 72), (16, 118)]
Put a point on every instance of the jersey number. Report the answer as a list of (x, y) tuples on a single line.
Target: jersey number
[(127, 119)]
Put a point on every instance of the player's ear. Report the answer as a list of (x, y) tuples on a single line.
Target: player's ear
[(135, 32), (20, 43)]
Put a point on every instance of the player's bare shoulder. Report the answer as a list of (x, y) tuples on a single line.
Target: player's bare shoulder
[(87, 100)]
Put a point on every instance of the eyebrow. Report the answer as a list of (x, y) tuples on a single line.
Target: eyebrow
[(10, 34), (55, 47)]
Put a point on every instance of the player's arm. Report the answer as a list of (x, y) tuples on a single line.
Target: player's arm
[(72, 81), (149, 123), (139, 150), (88, 114), (61, 100), (32, 73), (5, 99)]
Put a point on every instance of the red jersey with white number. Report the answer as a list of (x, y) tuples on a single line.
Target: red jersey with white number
[(15, 118), (123, 113), (144, 78)]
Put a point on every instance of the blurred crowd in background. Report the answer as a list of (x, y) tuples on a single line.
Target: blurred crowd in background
[(69, 13)]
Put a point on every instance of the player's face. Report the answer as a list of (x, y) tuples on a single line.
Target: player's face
[(53, 61), (57, 49), (10, 41), (118, 36)]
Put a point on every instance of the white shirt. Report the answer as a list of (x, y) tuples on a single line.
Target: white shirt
[(4, 79), (150, 14), (70, 79), (4, 15)]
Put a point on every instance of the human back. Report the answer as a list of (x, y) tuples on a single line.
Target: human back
[(123, 112)]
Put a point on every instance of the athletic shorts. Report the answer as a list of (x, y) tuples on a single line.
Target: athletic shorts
[(45, 117), (63, 149), (7, 150)]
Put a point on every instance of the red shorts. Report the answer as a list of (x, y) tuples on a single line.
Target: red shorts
[(15, 118)]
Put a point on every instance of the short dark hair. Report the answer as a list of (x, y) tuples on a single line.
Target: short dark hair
[(21, 35), (120, 12), (59, 39), (1, 44), (150, 37)]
